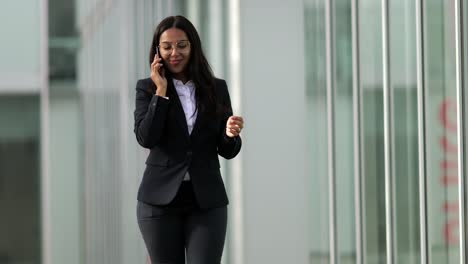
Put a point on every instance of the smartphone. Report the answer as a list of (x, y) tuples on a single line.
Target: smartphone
[(161, 70)]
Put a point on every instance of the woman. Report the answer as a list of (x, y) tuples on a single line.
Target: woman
[(183, 115)]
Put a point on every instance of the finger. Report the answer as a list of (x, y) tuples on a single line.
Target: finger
[(233, 120), (239, 118), (235, 131), (236, 123), (155, 71), (232, 129), (232, 125), (229, 133), (153, 65)]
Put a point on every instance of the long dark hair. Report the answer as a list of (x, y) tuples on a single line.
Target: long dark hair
[(198, 69)]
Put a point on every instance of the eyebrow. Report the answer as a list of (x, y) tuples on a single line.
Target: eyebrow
[(175, 41)]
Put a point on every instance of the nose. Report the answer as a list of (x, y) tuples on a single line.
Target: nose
[(174, 51)]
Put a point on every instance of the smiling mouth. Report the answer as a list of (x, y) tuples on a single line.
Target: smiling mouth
[(174, 62)]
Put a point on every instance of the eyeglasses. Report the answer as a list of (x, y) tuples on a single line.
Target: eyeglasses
[(167, 47)]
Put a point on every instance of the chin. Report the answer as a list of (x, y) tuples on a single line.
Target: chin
[(176, 70)]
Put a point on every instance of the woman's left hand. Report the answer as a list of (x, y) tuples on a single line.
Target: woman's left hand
[(234, 126)]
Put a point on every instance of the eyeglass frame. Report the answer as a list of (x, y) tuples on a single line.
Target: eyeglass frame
[(173, 46)]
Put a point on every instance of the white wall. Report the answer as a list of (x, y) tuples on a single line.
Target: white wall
[(273, 155)]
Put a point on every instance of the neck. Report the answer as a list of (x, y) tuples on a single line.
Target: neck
[(181, 77)]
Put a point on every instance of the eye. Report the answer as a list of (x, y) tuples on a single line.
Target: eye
[(166, 46), (182, 44)]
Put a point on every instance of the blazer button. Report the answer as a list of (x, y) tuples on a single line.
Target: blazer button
[(189, 154)]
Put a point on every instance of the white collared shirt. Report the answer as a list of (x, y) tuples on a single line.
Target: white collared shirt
[(186, 94)]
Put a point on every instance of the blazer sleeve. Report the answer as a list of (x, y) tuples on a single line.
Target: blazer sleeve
[(228, 147), (150, 115)]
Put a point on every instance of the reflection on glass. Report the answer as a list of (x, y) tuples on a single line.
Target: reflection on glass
[(316, 124), (344, 156), (441, 131), (65, 175), (63, 40), (405, 133), (373, 136), (20, 239)]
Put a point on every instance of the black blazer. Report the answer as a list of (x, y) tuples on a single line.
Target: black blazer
[(160, 126)]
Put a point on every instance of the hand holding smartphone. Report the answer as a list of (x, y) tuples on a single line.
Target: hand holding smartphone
[(158, 75), (160, 64)]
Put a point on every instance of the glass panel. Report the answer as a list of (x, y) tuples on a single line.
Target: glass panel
[(370, 40), (20, 225), (316, 124), (344, 149), (212, 18), (405, 130), (63, 40), (20, 40), (441, 131), (65, 171)]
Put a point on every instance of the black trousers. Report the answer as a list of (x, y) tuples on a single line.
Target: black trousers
[(182, 231)]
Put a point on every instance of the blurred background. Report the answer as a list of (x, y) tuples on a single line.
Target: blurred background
[(354, 146)]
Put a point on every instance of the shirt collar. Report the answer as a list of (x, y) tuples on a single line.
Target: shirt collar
[(180, 84)]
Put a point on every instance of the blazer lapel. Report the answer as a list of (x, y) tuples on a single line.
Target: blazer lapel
[(196, 126), (179, 111)]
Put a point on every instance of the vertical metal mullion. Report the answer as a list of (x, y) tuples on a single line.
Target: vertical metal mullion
[(357, 139), (123, 135), (421, 133), (329, 32), (388, 149), (45, 180), (237, 239), (141, 65), (459, 40), (101, 210)]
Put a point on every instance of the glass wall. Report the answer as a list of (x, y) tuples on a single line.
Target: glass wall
[(113, 54), (316, 123), (97, 52), (20, 66), (442, 145), (343, 121), (404, 131), (383, 153), (20, 223), (20, 145), (65, 133), (372, 102)]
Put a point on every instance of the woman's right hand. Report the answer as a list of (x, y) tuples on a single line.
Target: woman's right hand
[(158, 76)]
